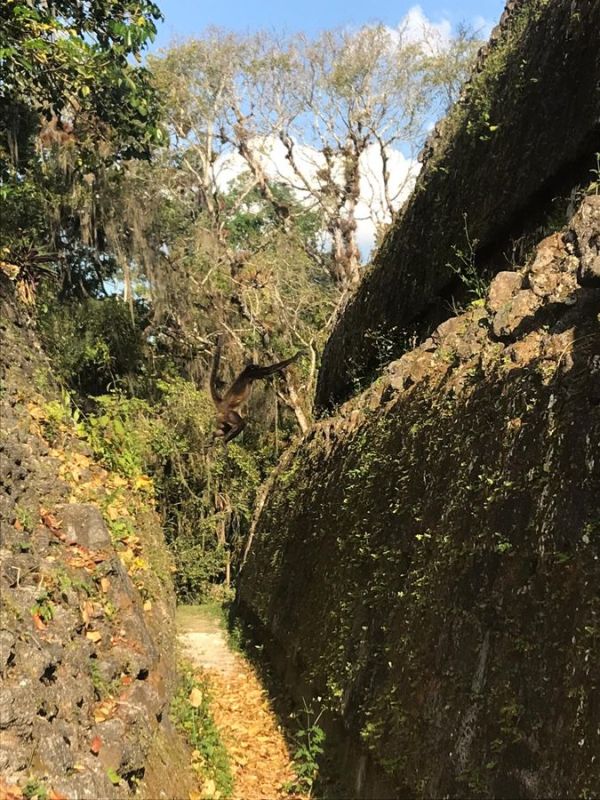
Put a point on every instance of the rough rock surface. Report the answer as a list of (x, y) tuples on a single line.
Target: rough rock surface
[(530, 114), (426, 563), (588, 248), (86, 670)]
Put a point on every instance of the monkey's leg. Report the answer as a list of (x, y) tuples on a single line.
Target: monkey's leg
[(237, 426)]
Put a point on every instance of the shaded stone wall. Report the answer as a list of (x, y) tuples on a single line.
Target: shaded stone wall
[(426, 564), (529, 117)]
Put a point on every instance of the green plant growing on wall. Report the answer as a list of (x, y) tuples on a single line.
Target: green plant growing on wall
[(43, 607), (309, 741), (594, 185), (25, 519), (464, 266), (34, 788)]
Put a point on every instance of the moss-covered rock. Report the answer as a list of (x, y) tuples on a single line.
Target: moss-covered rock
[(528, 121), (86, 622), (428, 561)]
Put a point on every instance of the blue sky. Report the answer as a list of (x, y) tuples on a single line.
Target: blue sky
[(187, 17)]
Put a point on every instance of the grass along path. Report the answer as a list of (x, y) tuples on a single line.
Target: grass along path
[(260, 760)]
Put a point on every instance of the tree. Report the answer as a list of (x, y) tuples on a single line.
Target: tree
[(325, 117), (72, 108), (69, 60), (241, 270)]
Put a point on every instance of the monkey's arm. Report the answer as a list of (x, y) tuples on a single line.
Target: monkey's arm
[(237, 426)]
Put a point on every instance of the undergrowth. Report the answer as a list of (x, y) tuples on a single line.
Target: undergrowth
[(309, 740), (190, 712)]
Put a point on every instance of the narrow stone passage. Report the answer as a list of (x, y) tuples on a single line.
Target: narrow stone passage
[(260, 759)]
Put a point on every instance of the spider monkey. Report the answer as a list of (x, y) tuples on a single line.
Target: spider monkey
[(229, 422)]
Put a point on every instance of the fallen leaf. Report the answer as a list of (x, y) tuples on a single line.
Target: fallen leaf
[(95, 745), (35, 411), (37, 621), (52, 795), (193, 795), (17, 525), (49, 520), (196, 697), (93, 636), (88, 612), (9, 791), (104, 710), (148, 605), (104, 584), (11, 271), (209, 788), (112, 512), (143, 482)]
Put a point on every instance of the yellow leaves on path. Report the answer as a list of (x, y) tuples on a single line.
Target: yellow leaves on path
[(196, 697), (260, 760), (208, 791), (9, 791)]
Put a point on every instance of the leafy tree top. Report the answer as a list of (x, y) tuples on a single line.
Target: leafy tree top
[(71, 59)]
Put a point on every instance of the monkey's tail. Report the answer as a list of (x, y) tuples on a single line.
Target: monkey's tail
[(215, 371)]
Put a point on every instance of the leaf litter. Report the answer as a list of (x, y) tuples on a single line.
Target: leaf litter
[(260, 759)]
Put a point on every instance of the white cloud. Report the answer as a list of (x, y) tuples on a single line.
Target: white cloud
[(371, 210), (416, 28)]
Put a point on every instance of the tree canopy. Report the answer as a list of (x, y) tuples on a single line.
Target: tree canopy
[(219, 186)]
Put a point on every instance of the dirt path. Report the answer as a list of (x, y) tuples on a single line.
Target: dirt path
[(260, 760)]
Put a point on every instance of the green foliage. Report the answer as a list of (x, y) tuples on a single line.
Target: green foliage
[(25, 518), (190, 711), (34, 789), (94, 345), (71, 105), (594, 185), (113, 776), (309, 746), (102, 687), (465, 267), (118, 433), (251, 217), (73, 57), (43, 607), (206, 491)]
